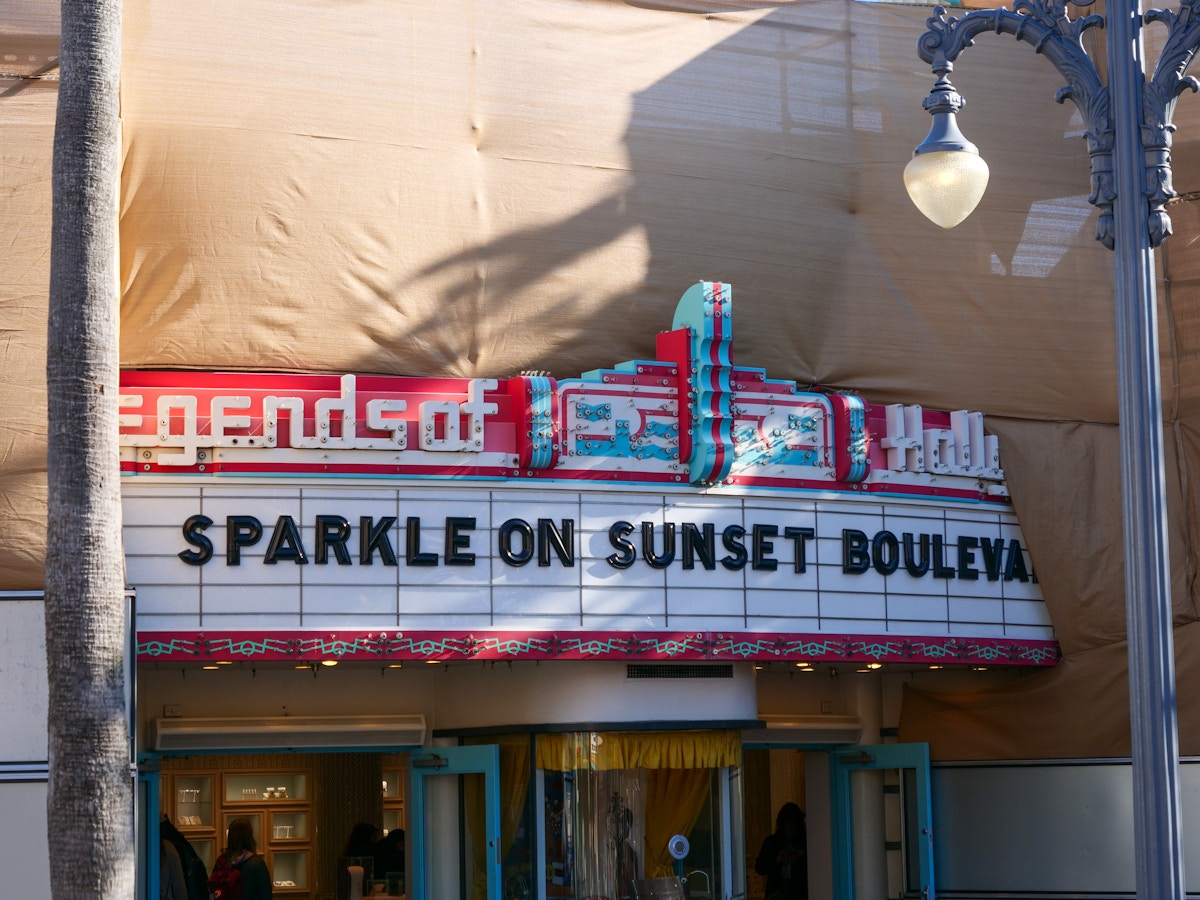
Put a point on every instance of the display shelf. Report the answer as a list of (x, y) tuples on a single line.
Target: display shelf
[(193, 796), (266, 787), (393, 783), (289, 870), (395, 776), (289, 826)]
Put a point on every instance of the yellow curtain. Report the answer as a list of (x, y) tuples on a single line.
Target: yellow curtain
[(674, 799), (514, 788), (638, 750)]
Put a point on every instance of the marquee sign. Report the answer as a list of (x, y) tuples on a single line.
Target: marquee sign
[(696, 505), (688, 417)]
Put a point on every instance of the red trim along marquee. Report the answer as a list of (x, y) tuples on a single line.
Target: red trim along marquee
[(384, 647)]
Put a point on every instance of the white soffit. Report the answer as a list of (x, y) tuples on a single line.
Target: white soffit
[(288, 732)]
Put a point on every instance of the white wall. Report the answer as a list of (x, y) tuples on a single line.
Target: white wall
[(571, 692), (24, 858), (23, 692), (455, 695)]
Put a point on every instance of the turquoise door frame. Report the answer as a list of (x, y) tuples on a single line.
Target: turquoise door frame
[(438, 761), (911, 757), (148, 801)]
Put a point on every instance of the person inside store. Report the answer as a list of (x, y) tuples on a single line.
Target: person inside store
[(361, 841), (195, 874), (171, 885), (240, 857), (783, 858), (389, 854), (356, 867)]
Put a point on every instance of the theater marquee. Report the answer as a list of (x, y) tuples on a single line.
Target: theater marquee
[(681, 507)]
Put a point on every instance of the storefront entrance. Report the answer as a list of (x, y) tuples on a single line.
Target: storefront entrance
[(562, 816), (557, 817)]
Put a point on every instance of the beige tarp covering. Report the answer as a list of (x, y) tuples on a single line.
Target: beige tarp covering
[(474, 188)]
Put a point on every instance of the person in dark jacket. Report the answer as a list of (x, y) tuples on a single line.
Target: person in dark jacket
[(240, 847), (171, 885), (195, 875), (784, 856)]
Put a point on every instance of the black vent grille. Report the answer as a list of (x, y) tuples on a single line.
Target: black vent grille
[(652, 670)]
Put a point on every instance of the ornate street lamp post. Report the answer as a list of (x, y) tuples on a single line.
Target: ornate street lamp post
[(1128, 130)]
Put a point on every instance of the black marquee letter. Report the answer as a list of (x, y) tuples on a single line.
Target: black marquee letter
[(193, 533), (563, 542), (668, 554), (761, 547), (457, 542), (798, 537), (916, 567), (940, 569), (1014, 566), (993, 553), (700, 542), (731, 540), (286, 543), (507, 530), (966, 558), (855, 558), (618, 533), (332, 531), (240, 531), (412, 545), (885, 551), (375, 537)]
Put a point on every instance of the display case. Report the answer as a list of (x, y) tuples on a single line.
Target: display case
[(265, 787), (193, 796), (289, 870), (394, 777), (289, 826)]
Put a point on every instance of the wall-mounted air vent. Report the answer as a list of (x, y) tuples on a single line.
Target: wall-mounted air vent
[(655, 670)]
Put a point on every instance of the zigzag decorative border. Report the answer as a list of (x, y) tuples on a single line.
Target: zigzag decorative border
[(404, 646)]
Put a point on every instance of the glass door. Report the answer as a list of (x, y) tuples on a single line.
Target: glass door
[(455, 822), (882, 822)]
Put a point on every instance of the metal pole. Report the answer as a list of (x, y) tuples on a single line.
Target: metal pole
[(1155, 743)]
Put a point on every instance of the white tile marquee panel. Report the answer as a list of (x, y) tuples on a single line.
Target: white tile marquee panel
[(1002, 600)]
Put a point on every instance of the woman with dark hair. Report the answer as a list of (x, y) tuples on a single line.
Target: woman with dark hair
[(362, 840), (241, 860), (784, 856)]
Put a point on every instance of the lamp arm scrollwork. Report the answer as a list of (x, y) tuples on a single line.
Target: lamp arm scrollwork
[(1046, 26), (1170, 79)]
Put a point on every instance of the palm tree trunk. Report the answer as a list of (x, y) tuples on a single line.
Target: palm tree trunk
[(90, 802)]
